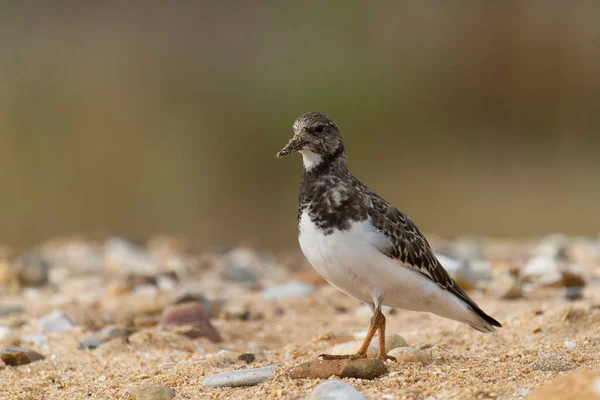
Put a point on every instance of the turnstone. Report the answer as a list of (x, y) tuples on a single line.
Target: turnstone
[(363, 245)]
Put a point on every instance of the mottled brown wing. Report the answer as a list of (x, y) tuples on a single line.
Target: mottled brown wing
[(409, 246)]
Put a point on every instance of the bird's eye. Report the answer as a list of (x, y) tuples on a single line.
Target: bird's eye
[(319, 128)]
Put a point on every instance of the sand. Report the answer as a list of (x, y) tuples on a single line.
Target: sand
[(529, 351)]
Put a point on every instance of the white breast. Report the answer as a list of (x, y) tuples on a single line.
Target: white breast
[(343, 257), (352, 261)]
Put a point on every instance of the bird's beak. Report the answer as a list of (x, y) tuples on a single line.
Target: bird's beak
[(295, 144)]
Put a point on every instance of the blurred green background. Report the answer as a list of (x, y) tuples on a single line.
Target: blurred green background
[(157, 117)]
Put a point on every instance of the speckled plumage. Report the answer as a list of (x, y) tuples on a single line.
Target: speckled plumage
[(336, 202)]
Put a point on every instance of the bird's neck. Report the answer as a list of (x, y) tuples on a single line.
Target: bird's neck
[(317, 164)]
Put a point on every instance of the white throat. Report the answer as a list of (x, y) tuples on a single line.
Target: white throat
[(310, 159)]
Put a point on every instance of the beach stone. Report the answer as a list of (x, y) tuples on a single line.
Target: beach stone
[(241, 264), (580, 385), (32, 270), (366, 368), (14, 356), (241, 377), (248, 358), (234, 273), (391, 342), (334, 389), (405, 355), (122, 256), (213, 308), (36, 340), (573, 293), (287, 290), (104, 335), (56, 321), (152, 391), (189, 319)]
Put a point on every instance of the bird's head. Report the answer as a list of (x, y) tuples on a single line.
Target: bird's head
[(315, 136)]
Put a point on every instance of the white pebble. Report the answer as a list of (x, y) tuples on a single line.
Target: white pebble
[(570, 345), (335, 390), (241, 377)]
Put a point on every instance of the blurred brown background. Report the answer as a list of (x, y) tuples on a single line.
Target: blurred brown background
[(162, 118)]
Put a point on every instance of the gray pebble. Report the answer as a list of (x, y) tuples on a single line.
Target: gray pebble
[(241, 377), (36, 340), (293, 289), (335, 390), (56, 321), (102, 336)]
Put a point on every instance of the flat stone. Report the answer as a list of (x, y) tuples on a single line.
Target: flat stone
[(405, 355), (293, 289), (14, 356), (334, 389), (152, 391), (368, 368), (241, 377), (56, 321), (391, 342), (104, 335), (581, 385), (189, 319)]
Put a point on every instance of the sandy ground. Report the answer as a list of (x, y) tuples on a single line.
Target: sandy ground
[(526, 353)]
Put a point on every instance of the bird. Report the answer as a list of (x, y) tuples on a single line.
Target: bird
[(363, 245)]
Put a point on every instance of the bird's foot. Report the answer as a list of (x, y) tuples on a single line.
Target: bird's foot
[(356, 356)]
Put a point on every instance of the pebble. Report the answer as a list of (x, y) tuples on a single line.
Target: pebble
[(14, 356), (152, 391), (241, 377), (10, 310), (570, 345), (366, 368), (191, 320), (56, 321), (391, 342), (32, 270), (573, 293), (241, 314), (238, 274), (5, 332), (240, 264), (292, 289), (405, 355), (36, 340), (580, 385), (122, 256), (102, 336), (334, 389), (248, 358), (212, 308)]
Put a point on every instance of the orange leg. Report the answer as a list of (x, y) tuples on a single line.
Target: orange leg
[(376, 320), (382, 353)]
